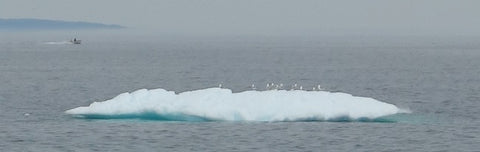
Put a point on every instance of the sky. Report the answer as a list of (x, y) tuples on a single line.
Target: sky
[(442, 17)]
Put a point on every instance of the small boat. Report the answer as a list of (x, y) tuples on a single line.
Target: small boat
[(75, 41)]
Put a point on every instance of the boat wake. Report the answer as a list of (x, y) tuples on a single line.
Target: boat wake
[(218, 104), (58, 42)]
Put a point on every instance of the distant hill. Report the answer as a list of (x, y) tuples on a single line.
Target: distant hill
[(40, 24)]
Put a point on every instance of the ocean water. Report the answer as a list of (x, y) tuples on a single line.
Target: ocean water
[(436, 79)]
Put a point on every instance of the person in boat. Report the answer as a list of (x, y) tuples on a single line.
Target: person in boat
[(74, 39)]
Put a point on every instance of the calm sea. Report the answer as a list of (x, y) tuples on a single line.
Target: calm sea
[(436, 78)]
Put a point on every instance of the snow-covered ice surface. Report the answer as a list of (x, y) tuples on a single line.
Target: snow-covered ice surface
[(219, 104)]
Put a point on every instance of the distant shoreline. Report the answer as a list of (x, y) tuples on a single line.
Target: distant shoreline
[(43, 24)]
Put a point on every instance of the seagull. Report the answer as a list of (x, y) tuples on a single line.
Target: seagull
[(271, 86), (220, 85), (294, 86)]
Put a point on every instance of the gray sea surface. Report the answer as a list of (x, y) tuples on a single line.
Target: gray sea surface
[(436, 78)]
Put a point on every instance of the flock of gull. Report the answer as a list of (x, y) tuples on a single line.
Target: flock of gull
[(273, 86)]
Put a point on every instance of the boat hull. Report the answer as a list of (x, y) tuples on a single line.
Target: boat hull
[(76, 42)]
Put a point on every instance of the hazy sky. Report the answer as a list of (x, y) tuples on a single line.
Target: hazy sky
[(262, 16)]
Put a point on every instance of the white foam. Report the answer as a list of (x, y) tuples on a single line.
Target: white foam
[(222, 104), (58, 42)]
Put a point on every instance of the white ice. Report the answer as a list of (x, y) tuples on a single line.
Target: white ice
[(223, 105)]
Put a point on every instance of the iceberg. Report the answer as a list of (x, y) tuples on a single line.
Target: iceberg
[(219, 104)]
